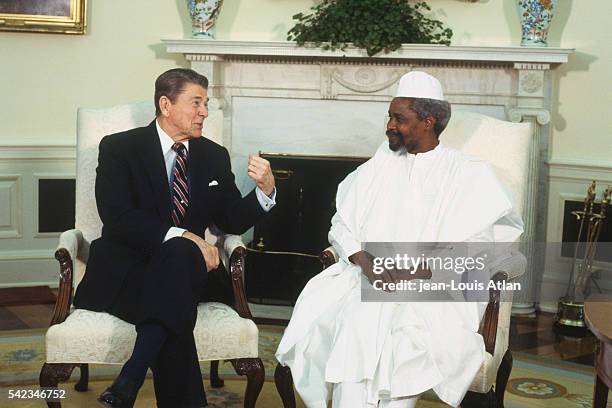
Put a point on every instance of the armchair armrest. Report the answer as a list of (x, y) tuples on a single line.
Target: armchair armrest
[(234, 252), (507, 269), (71, 246), (73, 242), (491, 316), (231, 243)]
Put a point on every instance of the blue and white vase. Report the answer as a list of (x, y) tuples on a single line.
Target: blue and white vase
[(203, 14), (535, 18)]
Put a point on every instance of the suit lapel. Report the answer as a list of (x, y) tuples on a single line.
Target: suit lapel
[(155, 166)]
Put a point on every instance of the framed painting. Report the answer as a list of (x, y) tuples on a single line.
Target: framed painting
[(46, 16)]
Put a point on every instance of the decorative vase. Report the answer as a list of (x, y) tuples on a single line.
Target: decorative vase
[(203, 14), (535, 18)]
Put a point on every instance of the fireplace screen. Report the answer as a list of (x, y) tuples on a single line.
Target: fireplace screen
[(283, 255)]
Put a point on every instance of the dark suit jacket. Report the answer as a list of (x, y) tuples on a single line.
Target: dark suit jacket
[(134, 203)]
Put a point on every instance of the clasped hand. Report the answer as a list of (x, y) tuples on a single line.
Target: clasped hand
[(209, 252)]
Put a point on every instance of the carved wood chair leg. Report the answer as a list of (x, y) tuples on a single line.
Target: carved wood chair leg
[(215, 380), (51, 375), (284, 385), (254, 370), (503, 374), (83, 383)]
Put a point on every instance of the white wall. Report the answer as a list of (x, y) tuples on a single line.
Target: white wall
[(48, 76)]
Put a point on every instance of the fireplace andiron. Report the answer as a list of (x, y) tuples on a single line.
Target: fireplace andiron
[(570, 308)]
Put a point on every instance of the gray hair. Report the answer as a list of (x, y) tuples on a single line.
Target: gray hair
[(439, 110)]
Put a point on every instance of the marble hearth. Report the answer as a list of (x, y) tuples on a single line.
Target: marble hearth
[(277, 97)]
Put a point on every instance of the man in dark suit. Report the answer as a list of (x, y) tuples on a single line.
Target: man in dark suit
[(157, 189)]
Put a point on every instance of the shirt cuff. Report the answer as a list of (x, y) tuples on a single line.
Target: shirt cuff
[(266, 202), (173, 232)]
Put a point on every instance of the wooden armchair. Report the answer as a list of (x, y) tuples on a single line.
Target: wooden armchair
[(78, 337), (505, 146)]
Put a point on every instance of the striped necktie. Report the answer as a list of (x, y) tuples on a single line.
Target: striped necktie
[(180, 187)]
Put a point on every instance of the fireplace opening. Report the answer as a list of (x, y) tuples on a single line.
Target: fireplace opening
[(283, 255)]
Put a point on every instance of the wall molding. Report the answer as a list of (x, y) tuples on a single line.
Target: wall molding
[(27, 254), (265, 51), (581, 170), (38, 152), (52, 284)]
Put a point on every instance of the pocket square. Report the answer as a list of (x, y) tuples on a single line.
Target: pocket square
[(213, 183)]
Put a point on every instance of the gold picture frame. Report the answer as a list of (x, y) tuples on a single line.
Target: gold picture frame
[(44, 16)]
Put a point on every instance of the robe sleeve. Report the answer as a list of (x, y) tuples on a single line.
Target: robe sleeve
[(343, 241), (343, 235), (355, 195)]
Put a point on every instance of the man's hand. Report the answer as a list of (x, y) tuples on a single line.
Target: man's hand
[(209, 252), (260, 171), (366, 261)]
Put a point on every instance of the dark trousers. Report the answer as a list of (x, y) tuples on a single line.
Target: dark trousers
[(167, 291)]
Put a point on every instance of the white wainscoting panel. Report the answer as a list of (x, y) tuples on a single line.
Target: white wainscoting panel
[(10, 206), (26, 256)]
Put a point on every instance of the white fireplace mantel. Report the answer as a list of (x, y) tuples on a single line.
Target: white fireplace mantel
[(422, 52), (278, 97)]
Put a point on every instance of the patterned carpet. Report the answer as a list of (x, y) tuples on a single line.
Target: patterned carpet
[(536, 382)]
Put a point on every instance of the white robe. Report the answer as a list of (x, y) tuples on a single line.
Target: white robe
[(397, 349)]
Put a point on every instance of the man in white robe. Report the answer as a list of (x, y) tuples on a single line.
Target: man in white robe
[(414, 189)]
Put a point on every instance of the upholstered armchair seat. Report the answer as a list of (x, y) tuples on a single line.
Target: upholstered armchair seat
[(101, 338)]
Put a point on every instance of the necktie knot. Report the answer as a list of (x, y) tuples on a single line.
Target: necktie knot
[(179, 148)]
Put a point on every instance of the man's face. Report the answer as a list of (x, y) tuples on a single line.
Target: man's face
[(185, 116), (404, 127)]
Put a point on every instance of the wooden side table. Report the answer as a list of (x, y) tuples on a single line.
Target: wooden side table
[(598, 317)]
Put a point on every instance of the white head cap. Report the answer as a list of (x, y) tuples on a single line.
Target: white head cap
[(417, 84)]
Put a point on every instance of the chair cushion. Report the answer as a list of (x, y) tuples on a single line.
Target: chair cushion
[(92, 337), (504, 145)]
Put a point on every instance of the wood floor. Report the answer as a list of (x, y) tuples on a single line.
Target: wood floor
[(536, 336)]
